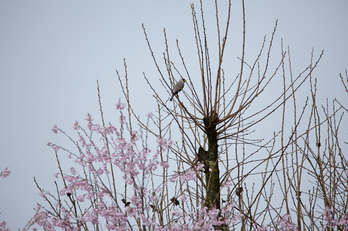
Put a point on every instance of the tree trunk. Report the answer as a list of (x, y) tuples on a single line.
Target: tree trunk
[(212, 174)]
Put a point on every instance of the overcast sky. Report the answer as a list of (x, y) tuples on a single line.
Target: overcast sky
[(52, 53)]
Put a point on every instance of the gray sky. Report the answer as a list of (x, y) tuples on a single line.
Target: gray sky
[(52, 53)]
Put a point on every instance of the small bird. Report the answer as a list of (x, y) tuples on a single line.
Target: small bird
[(178, 87)]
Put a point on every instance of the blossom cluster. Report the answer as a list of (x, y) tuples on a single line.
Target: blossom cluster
[(113, 185), (3, 226), (117, 182), (338, 222), (5, 173)]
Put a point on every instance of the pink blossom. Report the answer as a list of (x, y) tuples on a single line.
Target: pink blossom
[(76, 125), (3, 226), (200, 166), (164, 164), (331, 222), (175, 213), (93, 219), (64, 191), (237, 217), (183, 198), (120, 106), (263, 228), (54, 129), (109, 129), (227, 184), (164, 143), (134, 136), (100, 171), (90, 157), (284, 224), (89, 117), (174, 179), (5, 173), (73, 171), (344, 220), (161, 142), (81, 198), (56, 148), (190, 175), (122, 119), (327, 216), (82, 140), (89, 125), (149, 115), (95, 127)]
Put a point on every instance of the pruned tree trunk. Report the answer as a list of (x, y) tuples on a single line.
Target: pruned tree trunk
[(212, 174)]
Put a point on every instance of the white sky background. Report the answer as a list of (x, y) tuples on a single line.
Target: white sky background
[(52, 53)]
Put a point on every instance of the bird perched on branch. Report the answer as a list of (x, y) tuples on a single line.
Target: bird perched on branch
[(178, 87)]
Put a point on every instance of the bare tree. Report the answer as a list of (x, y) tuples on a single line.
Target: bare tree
[(216, 124), (294, 177)]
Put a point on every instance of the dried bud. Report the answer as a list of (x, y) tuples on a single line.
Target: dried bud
[(175, 201), (125, 202), (153, 208), (239, 191)]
